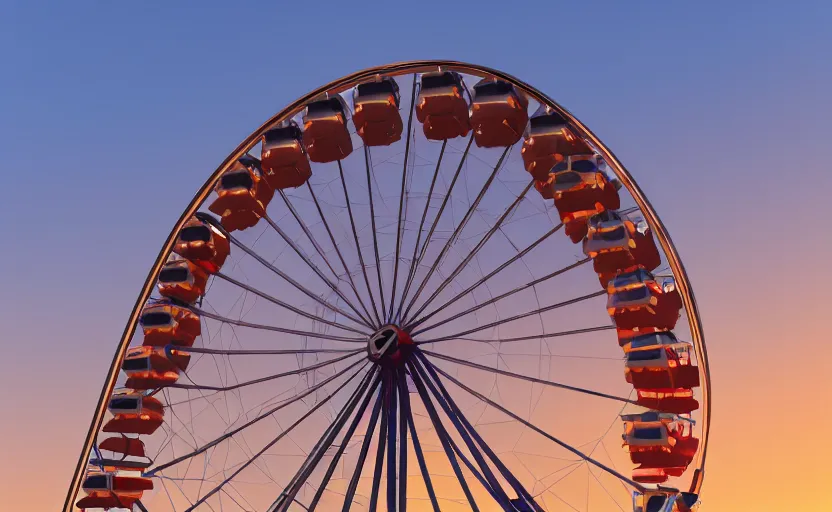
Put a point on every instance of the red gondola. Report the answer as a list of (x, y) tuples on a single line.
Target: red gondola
[(165, 322), (661, 444), (376, 118), (546, 188), (105, 500), (639, 304), (130, 456), (660, 361), (124, 445), (115, 483), (242, 195), (152, 367), (662, 500), (182, 279), (134, 413), (549, 141), (441, 106), (677, 401), (499, 113), (325, 133), (581, 186), (283, 157), (202, 243), (618, 244)]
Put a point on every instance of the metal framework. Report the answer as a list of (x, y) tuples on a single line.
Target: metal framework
[(383, 389)]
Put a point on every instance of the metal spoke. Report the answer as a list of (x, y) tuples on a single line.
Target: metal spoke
[(542, 432), (400, 378), (435, 222), (482, 280), (407, 416), (401, 199), (572, 332), (512, 292), (343, 446), (268, 413), (374, 230), (382, 443), (318, 248), (294, 283), (365, 448), (269, 445), (475, 250), (241, 323), (285, 305), (443, 437), (314, 267), (391, 444), (218, 351), (526, 377), (454, 415), (337, 250), (412, 269), (358, 244), (288, 495), (269, 377), (457, 231)]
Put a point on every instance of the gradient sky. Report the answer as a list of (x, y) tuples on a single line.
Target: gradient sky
[(113, 113)]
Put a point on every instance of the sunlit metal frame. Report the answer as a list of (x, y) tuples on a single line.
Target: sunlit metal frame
[(347, 82)]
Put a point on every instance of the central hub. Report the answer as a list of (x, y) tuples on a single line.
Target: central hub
[(386, 344)]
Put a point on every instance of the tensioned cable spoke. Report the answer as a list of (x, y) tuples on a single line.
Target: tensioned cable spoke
[(365, 448), (435, 222), (401, 200), (407, 416), (337, 250), (343, 446), (412, 269), (475, 250), (509, 293), (312, 266), (540, 431), (358, 244), (268, 413), (526, 377), (402, 444), (257, 352), (318, 248), (241, 323), (373, 228), (288, 495), (269, 377), (485, 278), (443, 436), (499, 493), (294, 283), (456, 232), (282, 304), (572, 332)]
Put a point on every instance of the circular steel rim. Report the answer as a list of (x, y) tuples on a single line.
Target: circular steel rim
[(396, 69)]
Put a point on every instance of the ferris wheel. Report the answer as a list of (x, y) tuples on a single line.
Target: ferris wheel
[(423, 286)]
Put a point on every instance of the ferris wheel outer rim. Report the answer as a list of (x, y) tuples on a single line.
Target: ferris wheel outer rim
[(395, 69)]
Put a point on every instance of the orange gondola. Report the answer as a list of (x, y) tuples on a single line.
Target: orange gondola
[(581, 186), (130, 454), (134, 413), (678, 401), (618, 244), (661, 444), (153, 367), (120, 485), (203, 243), (499, 113), (325, 132), (283, 157), (640, 304), (105, 500), (376, 118), (441, 106), (660, 361), (182, 280), (166, 322), (549, 140), (242, 195), (662, 500)]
